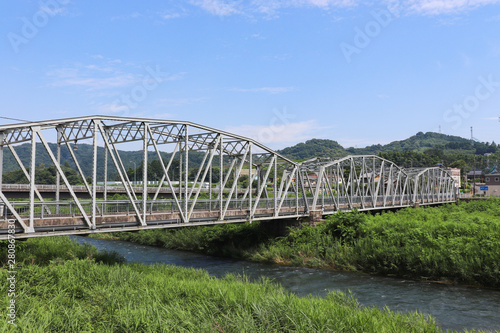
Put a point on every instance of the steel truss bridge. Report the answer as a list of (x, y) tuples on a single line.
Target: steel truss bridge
[(274, 187)]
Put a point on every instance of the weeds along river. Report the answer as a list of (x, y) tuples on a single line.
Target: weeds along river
[(454, 307)]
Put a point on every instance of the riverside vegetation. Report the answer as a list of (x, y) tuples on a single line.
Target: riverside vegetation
[(62, 286), (458, 243)]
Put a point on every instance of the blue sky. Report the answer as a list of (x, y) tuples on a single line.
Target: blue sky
[(280, 72)]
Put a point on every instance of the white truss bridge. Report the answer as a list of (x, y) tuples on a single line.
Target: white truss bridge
[(253, 181)]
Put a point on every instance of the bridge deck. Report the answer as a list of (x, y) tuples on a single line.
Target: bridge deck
[(117, 216)]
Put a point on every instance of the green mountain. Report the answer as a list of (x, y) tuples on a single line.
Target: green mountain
[(422, 149), (313, 148), (422, 142), (429, 143)]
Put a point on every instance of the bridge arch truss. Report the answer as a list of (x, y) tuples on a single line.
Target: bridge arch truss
[(211, 177), (194, 197), (368, 182)]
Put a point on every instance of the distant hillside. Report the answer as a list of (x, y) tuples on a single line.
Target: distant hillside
[(313, 148), (84, 157), (435, 143), (422, 149), (421, 142)]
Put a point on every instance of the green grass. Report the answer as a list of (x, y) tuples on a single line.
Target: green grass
[(49, 249), (452, 243), (79, 296), (63, 293)]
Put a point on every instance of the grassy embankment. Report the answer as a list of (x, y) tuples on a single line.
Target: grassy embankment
[(65, 287), (451, 243)]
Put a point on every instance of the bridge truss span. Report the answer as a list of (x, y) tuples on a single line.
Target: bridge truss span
[(201, 176), (240, 166), (368, 182)]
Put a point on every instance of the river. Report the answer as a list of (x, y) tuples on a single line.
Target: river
[(454, 307)]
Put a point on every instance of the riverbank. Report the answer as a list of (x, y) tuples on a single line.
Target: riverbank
[(65, 287), (450, 243)]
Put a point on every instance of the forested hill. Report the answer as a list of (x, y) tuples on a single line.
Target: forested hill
[(422, 149), (429, 143), (313, 148), (422, 142)]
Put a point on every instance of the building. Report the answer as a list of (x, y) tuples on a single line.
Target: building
[(455, 174), (492, 181), (476, 175)]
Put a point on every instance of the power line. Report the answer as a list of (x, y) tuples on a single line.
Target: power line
[(15, 119)]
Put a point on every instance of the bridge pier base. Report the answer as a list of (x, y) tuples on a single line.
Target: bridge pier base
[(315, 216)]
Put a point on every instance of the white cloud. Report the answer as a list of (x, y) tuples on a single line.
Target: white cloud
[(278, 134), (133, 15), (269, 90), (217, 7), (107, 74), (112, 108), (170, 16), (95, 83), (437, 7), (177, 102), (272, 7)]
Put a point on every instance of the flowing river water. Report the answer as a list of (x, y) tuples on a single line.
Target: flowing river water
[(454, 307)]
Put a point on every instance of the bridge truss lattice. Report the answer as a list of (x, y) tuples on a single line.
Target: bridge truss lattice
[(234, 178)]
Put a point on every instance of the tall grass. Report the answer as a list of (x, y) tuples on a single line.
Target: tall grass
[(49, 249), (457, 243), (83, 296), (233, 240)]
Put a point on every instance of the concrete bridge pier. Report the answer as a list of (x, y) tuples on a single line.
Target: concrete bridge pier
[(315, 216)]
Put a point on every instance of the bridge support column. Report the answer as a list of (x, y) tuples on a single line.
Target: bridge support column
[(315, 216)]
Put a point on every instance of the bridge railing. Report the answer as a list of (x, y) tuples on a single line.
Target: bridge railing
[(68, 208)]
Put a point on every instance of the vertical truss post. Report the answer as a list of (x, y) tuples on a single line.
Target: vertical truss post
[(250, 181), (58, 177), (319, 181), (275, 188), (179, 185), (2, 137), (32, 176), (186, 170), (105, 192), (145, 172), (94, 173), (296, 189), (221, 176), (210, 184)]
